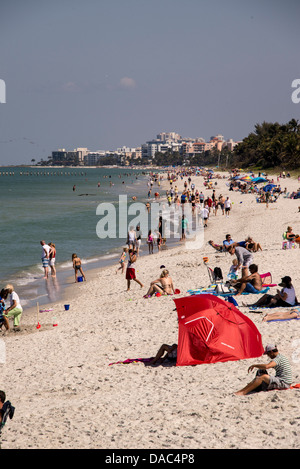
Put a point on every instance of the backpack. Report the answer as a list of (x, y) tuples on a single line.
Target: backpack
[(7, 411), (218, 273)]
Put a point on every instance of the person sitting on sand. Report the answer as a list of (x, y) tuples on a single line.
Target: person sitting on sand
[(263, 381), (77, 266), (162, 285), (217, 247), (290, 236), (228, 241), (250, 284), (252, 246), (286, 297), (170, 352)]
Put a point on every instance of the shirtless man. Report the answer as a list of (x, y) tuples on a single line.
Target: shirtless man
[(164, 284), (250, 284), (45, 257)]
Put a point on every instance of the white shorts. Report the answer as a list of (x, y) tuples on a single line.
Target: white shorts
[(248, 262)]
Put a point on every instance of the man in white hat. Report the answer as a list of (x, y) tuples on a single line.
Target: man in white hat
[(263, 381)]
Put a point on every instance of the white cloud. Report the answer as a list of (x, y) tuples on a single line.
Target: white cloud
[(127, 82), (70, 86)]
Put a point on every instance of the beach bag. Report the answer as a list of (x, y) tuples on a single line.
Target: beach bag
[(222, 288)]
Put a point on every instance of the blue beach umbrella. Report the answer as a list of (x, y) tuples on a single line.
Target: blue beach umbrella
[(259, 179), (269, 187)]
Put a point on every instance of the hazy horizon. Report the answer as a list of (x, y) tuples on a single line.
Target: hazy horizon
[(112, 73)]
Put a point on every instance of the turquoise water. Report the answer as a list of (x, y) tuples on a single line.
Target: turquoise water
[(40, 204)]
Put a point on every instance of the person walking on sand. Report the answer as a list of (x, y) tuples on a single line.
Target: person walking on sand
[(45, 258), (130, 271), (263, 381), (131, 238), (150, 241), (184, 227), (227, 206), (77, 266), (122, 261)]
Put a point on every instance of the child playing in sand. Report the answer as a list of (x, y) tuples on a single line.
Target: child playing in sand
[(122, 261), (233, 271), (77, 266)]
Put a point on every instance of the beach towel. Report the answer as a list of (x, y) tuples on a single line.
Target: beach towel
[(132, 360), (212, 291)]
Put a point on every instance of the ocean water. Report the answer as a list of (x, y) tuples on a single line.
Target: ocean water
[(40, 204)]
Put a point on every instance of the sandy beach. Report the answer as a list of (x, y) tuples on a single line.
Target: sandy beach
[(67, 396)]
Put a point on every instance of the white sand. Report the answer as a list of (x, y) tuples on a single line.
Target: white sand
[(66, 395)]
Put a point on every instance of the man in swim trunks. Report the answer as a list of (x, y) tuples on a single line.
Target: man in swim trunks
[(45, 257), (250, 284)]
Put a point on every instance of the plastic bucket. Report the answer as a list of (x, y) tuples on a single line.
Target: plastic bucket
[(79, 279), (67, 307)]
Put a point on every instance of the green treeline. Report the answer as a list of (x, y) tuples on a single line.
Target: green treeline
[(270, 145)]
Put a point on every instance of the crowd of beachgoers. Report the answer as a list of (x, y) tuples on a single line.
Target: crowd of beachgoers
[(235, 210)]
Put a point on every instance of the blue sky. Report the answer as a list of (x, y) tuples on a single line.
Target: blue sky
[(107, 73)]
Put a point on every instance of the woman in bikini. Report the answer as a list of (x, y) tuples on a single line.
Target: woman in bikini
[(293, 314), (163, 285)]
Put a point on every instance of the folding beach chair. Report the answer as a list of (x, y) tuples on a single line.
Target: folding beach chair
[(215, 276), (267, 280)]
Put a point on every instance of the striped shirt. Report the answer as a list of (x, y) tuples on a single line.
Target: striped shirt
[(283, 368)]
